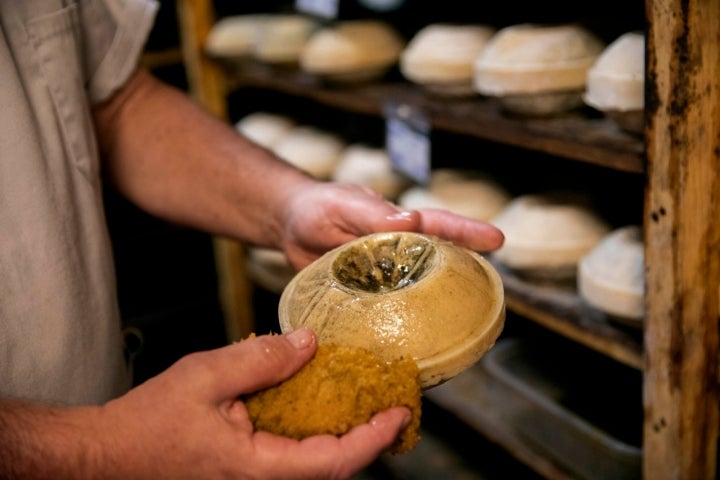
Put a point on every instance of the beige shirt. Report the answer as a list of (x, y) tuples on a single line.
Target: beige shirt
[(60, 337)]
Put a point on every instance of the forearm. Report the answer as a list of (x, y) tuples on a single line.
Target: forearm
[(180, 163), (39, 441)]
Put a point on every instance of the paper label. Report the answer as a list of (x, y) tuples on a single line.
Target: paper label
[(408, 141), (322, 8)]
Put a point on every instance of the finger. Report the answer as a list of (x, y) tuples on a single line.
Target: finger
[(399, 221), (381, 215), (366, 442), (259, 362), (473, 234), (327, 456), (361, 212), (363, 217), (394, 221)]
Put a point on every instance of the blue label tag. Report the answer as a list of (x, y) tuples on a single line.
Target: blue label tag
[(322, 8), (408, 141)]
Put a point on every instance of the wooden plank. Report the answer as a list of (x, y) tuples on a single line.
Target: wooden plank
[(205, 77), (161, 58), (208, 87), (564, 312), (682, 235), (234, 288), (574, 135)]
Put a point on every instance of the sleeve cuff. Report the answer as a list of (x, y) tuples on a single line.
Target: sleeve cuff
[(122, 58)]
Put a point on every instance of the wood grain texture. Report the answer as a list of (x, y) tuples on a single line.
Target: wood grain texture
[(573, 135), (682, 235)]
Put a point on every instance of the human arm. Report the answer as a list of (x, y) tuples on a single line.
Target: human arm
[(188, 423), (178, 162)]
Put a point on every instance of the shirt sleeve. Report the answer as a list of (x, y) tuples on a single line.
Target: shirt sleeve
[(115, 33)]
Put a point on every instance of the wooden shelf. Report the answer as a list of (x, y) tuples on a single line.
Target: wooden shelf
[(679, 160), (161, 58), (592, 140), (564, 312), (576, 136)]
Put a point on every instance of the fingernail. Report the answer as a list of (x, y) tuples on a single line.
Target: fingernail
[(406, 421), (404, 215), (301, 338)]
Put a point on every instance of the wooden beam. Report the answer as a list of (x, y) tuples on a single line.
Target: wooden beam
[(207, 81), (682, 235)]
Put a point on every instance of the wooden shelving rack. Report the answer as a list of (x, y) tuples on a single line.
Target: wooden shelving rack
[(677, 351)]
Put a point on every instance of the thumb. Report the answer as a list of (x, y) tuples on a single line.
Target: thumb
[(260, 362)]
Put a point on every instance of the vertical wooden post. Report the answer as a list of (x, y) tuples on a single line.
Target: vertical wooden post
[(682, 233), (208, 87), (207, 82)]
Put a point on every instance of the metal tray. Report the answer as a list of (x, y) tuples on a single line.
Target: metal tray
[(578, 407)]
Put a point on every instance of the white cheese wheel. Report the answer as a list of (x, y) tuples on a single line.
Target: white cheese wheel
[(611, 277), (531, 58), (444, 54), (464, 192), (548, 234), (269, 268), (271, 38), (311, 149), (265, 128), (234, 36), (366, 165), (352, 50), (282, 38), (616, 82)]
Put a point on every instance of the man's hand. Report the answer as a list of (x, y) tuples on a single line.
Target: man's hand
[(188, 422), (319, 217)]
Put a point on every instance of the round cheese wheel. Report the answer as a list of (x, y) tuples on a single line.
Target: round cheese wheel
[(271, 38), (547, 234), (282, 38), (265, 128), (269, 268), (611, 277), (234, 36), (464, 192), (444, 54), (530, 58), (311, 149), (616, 82), (366, 165), (352, 50), (401, 295)]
